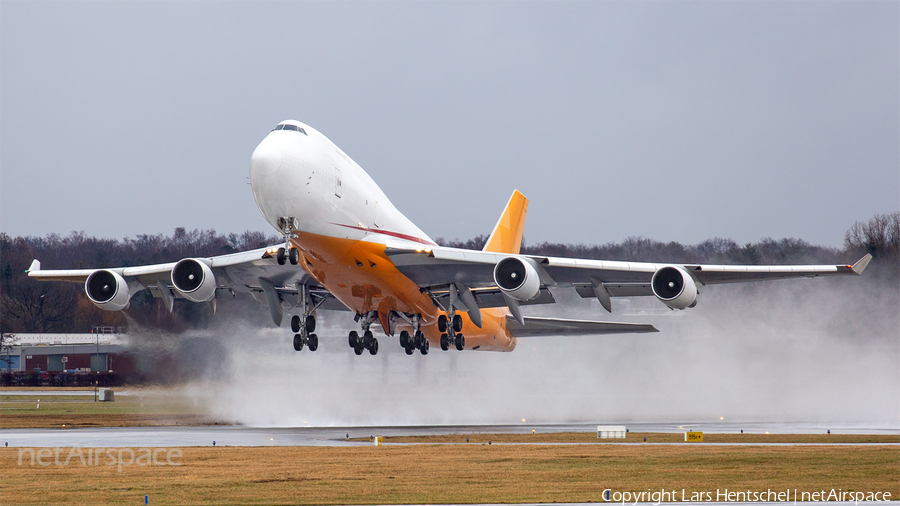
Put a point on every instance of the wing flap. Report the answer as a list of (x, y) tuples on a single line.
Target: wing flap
[(616, 290), (487, 298), (535, 327)]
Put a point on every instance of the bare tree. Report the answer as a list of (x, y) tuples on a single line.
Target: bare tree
[(879, 236), (7, 342)]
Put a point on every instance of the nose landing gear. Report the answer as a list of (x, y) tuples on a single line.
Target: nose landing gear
[(287, 253), (292, 255)]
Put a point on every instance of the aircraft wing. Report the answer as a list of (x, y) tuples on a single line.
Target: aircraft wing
[(437, 269), (256, 272)]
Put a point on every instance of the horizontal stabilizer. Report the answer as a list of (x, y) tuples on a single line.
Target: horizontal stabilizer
[(535, 326)]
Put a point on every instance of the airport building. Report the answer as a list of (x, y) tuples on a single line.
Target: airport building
[(42, 357)]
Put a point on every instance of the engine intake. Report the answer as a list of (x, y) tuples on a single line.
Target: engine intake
[(194, 280), (674, 287), (517, 278), (107, 290)]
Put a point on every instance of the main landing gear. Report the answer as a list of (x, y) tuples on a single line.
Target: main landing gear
[(416, 340), (451, 328), (304, 324), (304, 332), (366, 341)]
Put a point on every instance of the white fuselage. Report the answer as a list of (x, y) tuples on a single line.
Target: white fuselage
[(307, 177)]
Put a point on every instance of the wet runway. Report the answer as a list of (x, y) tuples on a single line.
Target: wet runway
[(338, 436), (52, 393)]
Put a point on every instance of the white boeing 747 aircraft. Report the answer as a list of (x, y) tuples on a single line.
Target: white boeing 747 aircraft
[(347, 247)]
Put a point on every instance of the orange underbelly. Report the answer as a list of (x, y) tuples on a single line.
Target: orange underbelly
[(363, 278)]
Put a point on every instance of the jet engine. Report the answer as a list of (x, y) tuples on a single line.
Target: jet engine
[(674, 287), (194, 280), (107, 290), (517, 278)]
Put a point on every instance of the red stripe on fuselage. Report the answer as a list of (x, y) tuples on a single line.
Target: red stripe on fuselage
[(389, 233)]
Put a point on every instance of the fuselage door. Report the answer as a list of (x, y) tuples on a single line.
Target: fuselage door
[(337, 182)]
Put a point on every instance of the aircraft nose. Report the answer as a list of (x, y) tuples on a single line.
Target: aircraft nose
[(265, 160)]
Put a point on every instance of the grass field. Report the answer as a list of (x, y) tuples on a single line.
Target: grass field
[(450, 474), (141, 408), (428, 470)]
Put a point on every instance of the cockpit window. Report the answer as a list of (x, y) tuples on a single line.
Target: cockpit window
[(294, 128)]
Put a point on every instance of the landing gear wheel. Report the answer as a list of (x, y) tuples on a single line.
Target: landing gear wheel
[(298, 342), (280, 256), (313, 342), (353, 339), (409, 350), (420, 338), (424, 347), (358, 349), (295, 324), (445, 342), (294, 256), (460, 342), (457, 323), (404, 339), (442, 323), (373, 347), (367, 339), (310, 324)]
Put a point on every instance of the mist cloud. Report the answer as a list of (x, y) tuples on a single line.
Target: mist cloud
[(819, 350)]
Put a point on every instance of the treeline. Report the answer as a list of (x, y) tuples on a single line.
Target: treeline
[(27, 305), (30, 306), (879, 236)]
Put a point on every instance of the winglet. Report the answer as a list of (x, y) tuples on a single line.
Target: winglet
[(507, 234), (858, 267), (35, 266)]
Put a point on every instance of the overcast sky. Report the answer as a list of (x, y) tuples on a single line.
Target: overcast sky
[(677, 121)]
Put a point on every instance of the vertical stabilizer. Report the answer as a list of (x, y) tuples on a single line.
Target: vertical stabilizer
[(507, 234)]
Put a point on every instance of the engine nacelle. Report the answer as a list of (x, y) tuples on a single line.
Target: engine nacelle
[(674, 287), (194, 280), (107, 290), (517, 278)]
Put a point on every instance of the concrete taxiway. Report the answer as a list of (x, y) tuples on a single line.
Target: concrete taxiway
[(340, 436)]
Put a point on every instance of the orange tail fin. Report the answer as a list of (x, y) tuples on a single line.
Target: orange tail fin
[(507, 234)]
